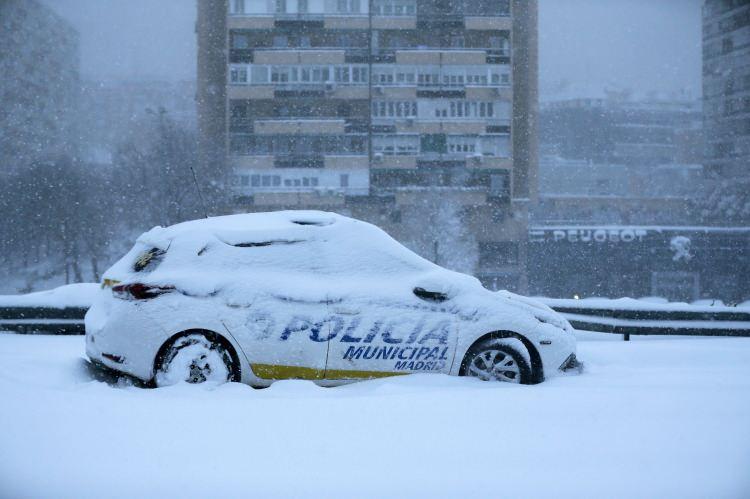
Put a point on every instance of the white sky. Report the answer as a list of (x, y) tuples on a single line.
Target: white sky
[(585, 45)]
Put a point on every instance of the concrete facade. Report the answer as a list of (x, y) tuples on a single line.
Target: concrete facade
[(726, 86)]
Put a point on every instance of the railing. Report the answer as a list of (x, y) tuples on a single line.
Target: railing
[(632, 317), (377, 13), (44, 320), (625, 316), (299, 16)]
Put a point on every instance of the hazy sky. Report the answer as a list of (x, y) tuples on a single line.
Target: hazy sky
[(585, 45), (645, 45)]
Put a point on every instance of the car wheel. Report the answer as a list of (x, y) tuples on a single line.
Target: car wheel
[(195, 358), (496, 359)]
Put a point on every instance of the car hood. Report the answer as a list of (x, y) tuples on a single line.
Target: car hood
[(538, 310)]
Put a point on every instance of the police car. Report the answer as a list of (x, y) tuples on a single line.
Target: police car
[(309, 295)]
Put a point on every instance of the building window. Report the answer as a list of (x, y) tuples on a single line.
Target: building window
[(280, 40), (344, 180), (434, 143), (302, 6), (237, 7), (348, 6), (499, 184), (459, 144), (394, 109), (238, 75), (394, 7), (466, 109), (396, 145), (342, 74), (240, 41), (280, 6)]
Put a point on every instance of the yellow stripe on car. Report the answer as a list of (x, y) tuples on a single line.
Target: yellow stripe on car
[(270, 371)]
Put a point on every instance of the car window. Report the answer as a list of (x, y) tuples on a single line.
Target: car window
[(148, 260)]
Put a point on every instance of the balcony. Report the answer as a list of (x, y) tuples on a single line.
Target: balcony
[(386, 9), (440, 21), (296, 16), (293, 146), (299, 126), (300, 181), (241, 125), (299, 161)]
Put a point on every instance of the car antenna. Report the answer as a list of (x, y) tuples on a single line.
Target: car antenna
[(200, 194)]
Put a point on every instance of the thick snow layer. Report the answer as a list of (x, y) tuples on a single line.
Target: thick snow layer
[(71, 295), (648, 418), (301, 253)]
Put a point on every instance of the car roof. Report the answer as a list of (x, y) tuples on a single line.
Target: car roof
[(286, 239), (308, 254)]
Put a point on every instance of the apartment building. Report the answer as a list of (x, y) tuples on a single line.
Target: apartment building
[(726, 86), (39, 85), (417, 115)]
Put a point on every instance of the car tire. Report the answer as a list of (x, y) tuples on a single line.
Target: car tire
[(195, 358), (497, 359)]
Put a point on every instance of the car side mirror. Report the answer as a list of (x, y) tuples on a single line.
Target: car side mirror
[(434, 296)]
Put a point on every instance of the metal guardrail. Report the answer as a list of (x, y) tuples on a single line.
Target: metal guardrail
[(42, 320), (653, 320)]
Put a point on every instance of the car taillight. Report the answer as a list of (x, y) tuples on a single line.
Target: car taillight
[(138, 291)]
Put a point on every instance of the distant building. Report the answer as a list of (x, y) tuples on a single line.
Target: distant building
[(418, 115), (576, 191), (39, 74), (624, 230), (676, 262), (620, 131), (726, 86), (113, 111)]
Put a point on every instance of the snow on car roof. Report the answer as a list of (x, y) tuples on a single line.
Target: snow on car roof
[(273, 249), (249, 223), (346, 238)]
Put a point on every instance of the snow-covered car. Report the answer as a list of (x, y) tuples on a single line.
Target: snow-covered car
[(309, 295)]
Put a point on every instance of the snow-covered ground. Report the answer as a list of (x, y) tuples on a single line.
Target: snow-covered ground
[(649, 418), (70, 295)]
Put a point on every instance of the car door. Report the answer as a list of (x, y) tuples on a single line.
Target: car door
[(381, 333), (281, 320), (284, 337)]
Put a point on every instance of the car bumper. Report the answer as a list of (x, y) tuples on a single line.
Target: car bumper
[(121, 337)]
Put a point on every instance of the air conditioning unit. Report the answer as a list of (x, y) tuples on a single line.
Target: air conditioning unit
[(409, 121), (378, 157), (378, 90), (477, 158), (330, 87)]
